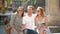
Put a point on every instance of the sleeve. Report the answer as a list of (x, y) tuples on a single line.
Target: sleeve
[(24, 21)]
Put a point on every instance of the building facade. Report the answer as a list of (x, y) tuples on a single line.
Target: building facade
[(52, 7)]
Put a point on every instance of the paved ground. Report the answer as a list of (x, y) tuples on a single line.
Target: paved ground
[(2, 29)]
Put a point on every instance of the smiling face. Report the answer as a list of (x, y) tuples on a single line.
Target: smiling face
[(30, 10), (20, 11)]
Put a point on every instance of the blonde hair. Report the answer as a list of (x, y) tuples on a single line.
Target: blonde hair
[(30, 6), (41, 10)]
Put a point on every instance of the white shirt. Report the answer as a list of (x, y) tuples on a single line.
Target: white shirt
[(29, 22)]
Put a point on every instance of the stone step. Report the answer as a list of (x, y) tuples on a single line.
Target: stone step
[(55, 33), (55, 29)]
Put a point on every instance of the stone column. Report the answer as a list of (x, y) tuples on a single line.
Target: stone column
[(52, 10)]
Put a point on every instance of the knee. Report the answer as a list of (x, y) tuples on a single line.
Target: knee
[(42, 29)]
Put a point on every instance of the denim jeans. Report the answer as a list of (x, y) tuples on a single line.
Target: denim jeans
[(29, 31)]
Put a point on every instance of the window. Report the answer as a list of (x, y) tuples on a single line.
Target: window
[(16, 3), (40, 3)]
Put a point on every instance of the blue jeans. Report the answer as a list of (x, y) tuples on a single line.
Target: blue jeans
[(28, 31)]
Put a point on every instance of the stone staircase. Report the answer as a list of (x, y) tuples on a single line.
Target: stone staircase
[(55, 29)]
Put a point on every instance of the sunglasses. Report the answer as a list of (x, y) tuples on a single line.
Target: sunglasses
[(20, 10)]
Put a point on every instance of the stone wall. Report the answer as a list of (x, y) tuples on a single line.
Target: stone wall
[(52, 8)]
